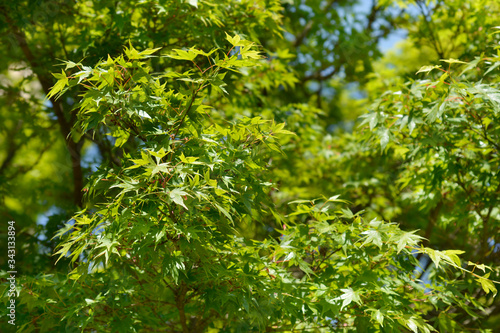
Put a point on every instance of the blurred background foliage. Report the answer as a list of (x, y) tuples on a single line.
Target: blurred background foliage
[(328, 63)]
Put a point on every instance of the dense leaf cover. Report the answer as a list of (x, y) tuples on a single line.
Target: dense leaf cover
[(234, 191)]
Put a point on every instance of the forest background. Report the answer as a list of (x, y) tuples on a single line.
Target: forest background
[(228, 166)]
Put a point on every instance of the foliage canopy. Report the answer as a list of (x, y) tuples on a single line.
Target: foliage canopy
[(234, 190)]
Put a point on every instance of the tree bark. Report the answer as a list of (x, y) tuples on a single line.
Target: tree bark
[(74, 148)]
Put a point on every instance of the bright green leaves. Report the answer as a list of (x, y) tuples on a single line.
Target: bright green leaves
[(482, 267), (245, 47), (440, 132), (178, 214), (415, 324), (245, 52), (437, 110), (279, 129), (384, 137), (427, 69), (152, 166), (487, 284), (185, 186), (177, 196), (363, 263), (453, 61), (372, 236), (184, 55), (377, 316), (133, 54), (450, 257), (406, 239), (349, 296), (119, 92), (58, 88), (235, 41), (114, 97), (109, 243), (428, 124), (121, 136)]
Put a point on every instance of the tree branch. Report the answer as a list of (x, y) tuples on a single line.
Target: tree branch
[(179, 302), (45, 80), (299, 39)]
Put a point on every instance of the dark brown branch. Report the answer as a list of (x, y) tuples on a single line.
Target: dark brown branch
[(12, 149), (299, 39), (45, 80), (372, 16), (180, 302), (434, 214), (432, 34), (187, 110), (104, 148)]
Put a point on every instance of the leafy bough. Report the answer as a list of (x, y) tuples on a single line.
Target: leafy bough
[(170, 218)]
